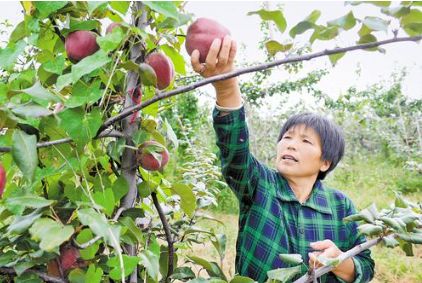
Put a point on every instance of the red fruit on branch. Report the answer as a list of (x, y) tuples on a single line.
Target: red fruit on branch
[(80, 44), (136, 96), (201, 34), (152, 156), (2, 180), (111, 27), (69, 258), (163, 68)]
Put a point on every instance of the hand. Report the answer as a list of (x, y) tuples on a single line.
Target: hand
[(220, 60), (324, 248)]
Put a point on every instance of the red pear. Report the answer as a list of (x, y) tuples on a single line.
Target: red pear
[(111, 27), (80, 44), (2, 180), (201, 34), (163, 68), (149, 161), (69, 257)]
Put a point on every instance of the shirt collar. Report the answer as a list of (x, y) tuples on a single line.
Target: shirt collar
[(318, 199)]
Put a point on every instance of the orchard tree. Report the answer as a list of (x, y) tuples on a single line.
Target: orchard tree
[(85, 195)]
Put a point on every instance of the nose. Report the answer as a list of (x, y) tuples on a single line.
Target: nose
[(291, 145)]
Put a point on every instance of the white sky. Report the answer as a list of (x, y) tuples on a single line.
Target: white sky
[(374, 66)]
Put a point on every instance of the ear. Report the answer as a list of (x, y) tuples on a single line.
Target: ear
[(325, 164)]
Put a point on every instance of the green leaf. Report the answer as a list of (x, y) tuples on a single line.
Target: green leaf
[(45, 8), (184, 273), (24, 152), (370, 229), (93, 5), (151, 263), (301, 28), (212, 268), (50, 233), (31, 201), (99, 225), (148, 76), (80, 126), (9, 54), (171, 134), (276, 16), (406, 247), (400, 201), (21, 223), (133, 229), (166, 8), (63, 81), (284, 274), (328, 261), (324, 33), (83, 25), (106, 200), (219, 243), (93, 274), (241, 279), (273, 47), (291, 258), (414, 238), (346, 22), (39, 93), (55, 66), (112, 40), (391, 222), (84, 236), (335, 57), (31, 110), (376, 3), (120, 6), (129, 263), (176, 57), (188, 199), (396, 12), (76, 275), (412, 22), (28, 278), (390, 242), (83, 94), (120, 188), (375, 23), (89, 64)]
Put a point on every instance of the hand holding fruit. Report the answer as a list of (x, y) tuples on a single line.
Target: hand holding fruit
[(208, 41)]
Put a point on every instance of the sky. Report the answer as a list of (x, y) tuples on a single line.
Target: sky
[(373, 67)]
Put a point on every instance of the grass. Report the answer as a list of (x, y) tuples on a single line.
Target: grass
[(365, 182)]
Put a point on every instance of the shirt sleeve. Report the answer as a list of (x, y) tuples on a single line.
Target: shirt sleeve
[(239, 168), (364, 264)]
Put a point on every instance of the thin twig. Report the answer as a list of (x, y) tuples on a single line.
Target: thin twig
[(251, 69), (104, 134), (348, 254), (43, 276), (169, 238)]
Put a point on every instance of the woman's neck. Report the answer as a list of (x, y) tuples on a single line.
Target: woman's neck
[(302, 187)]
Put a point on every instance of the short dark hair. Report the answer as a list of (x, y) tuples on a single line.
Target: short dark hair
[(331, 136)]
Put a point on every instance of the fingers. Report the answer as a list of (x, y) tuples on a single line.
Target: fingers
[(223, 57), (194, 59), (211, 59), (321, 245), (232, 53), (313, 260)]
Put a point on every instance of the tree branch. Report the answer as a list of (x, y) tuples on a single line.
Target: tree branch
[(43, 276), (350, 253), (169, 238), (104, 134), (252, 69)]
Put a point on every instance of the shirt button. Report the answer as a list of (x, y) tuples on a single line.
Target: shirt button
[(301, 230)]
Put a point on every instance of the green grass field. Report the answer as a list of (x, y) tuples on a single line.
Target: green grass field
[(365, 182)]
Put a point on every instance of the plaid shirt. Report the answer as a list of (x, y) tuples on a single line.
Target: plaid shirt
[(271, 220)]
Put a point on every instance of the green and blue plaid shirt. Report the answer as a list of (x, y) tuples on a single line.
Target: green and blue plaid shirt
[(272, 221)]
